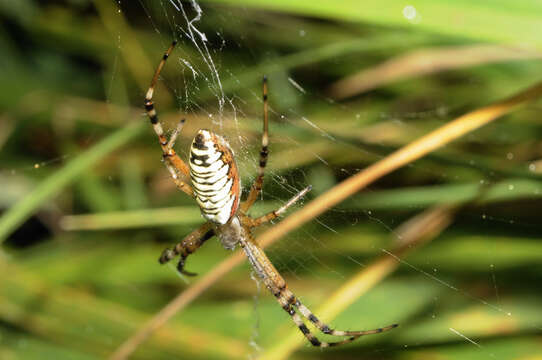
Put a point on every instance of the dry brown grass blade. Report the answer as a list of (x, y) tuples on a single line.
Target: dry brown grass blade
[(410, 235), (413, 151), (426, 61), (51, 320), (183, 299)]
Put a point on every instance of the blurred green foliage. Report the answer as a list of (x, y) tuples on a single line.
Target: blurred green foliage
[(88, 207)]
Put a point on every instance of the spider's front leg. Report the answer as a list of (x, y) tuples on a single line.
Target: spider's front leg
[(174, 163), (187, 246)]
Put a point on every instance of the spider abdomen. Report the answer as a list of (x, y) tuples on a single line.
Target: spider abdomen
[(214, 177)]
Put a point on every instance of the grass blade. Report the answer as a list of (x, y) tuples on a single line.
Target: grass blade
[(51, 186)]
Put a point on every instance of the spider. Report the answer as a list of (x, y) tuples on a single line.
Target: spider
[(216, 187)]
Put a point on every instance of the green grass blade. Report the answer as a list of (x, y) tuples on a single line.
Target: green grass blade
[(63, 177), (500, 21)]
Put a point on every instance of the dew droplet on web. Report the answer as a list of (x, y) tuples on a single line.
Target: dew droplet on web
[(409, 12)]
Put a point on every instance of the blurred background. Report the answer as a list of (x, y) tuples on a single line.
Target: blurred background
[(87, 205)]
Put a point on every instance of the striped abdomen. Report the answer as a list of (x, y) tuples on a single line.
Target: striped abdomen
[(214, 177)]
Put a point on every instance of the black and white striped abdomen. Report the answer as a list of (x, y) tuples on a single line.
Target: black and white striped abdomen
[(214, 177)]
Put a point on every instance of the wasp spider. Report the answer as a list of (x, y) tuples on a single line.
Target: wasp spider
[(216, 187)]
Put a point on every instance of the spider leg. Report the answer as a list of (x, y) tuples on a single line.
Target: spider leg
[(277, 285), (258, 183), (326, 329), (187, 246), (174, 136), (276, 213), (174, 163)]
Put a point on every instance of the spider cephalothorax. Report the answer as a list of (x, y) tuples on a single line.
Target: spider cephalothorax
[(216, 187)]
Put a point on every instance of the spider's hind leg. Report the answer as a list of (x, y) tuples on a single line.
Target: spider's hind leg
[(327, 330), (187, 246), (289, 302)]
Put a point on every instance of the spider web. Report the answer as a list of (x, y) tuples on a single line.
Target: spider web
[(206, 87), (301, 253)]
